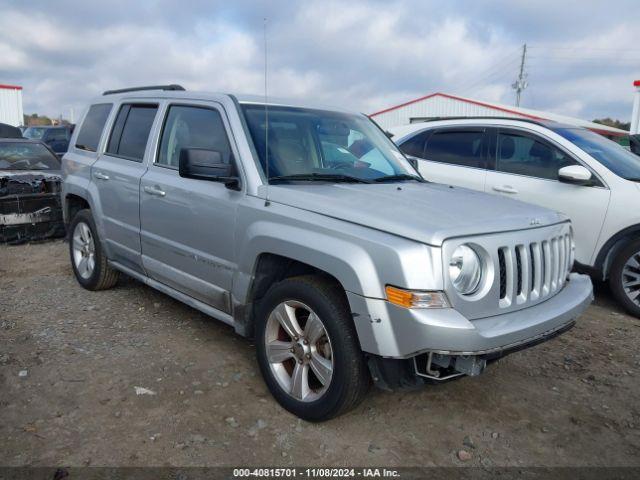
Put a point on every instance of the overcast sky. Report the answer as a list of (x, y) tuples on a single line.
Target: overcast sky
[(366, 55)]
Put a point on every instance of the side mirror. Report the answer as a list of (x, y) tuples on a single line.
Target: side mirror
[(575, 174), (203, 164)]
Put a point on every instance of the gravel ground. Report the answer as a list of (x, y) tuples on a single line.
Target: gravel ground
[(73, 363)]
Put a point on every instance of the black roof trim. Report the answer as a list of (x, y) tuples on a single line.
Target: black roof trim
[(173, 87), (543, 122)]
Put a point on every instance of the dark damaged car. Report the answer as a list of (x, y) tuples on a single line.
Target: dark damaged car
[(29, 192)]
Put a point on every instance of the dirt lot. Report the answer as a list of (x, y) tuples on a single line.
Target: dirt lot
[(70, 362)]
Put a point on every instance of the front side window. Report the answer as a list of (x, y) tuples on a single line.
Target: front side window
[(192, 127), (616, 158), (457, 147), (91, 130), (27, 156), (323, 145), (131, 131), (57, 134), (524, 155)]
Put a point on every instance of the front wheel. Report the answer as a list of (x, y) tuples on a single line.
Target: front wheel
[(308, 350), (624, 278)]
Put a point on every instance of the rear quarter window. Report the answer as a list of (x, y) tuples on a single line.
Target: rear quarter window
[(414, 146), (91, 129)]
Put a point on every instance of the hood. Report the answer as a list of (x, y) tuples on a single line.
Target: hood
[(426, 212)]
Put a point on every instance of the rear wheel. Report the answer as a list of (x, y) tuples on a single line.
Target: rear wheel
[(624, 277), (308, 350), (87, 258)]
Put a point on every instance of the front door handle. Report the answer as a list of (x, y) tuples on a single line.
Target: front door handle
[(504, 189), (155, 191), (101, 176)]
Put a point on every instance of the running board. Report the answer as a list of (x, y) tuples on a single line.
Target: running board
[(192, 302)]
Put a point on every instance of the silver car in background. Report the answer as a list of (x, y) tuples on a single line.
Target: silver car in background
[(306, 229)]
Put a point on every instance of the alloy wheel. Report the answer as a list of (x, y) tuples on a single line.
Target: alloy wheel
[(299, 351), (84, 256), (631, 278)]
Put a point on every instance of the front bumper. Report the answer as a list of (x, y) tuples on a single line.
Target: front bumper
[(30, 217), (394, 332)]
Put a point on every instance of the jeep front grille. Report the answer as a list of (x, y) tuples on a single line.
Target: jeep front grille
[(529, 272)]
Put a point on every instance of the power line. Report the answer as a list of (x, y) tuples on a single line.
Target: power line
[(487, 74), (595, 49)]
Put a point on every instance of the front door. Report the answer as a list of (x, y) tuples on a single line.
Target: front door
[(527, 169), (188, 225), (116, 175)]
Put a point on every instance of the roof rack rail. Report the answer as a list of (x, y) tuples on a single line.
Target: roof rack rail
[(173, 86), (540, 121)]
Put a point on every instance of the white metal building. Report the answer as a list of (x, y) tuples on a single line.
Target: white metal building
[(443, 105), (635, 117), (11, 105)]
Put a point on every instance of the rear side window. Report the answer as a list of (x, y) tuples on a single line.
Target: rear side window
[(192, 127), (457, 147), (415, 145), (131, 131), (91, 130)]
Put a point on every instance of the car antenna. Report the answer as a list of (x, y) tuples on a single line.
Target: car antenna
[(266, 117)]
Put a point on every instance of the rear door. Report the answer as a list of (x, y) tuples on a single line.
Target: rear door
[(117, 174), (451, 155), (188, 225), (526, 168)]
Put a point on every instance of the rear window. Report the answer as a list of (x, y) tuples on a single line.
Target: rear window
[(131, 131), (91, 130), (35, 133)]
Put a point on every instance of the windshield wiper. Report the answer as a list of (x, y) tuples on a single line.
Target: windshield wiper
[(401, 176), (319, 177)]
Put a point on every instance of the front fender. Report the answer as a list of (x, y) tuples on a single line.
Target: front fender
[(362, 259)]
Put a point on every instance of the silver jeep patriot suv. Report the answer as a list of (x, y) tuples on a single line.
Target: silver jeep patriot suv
[(306, 229)]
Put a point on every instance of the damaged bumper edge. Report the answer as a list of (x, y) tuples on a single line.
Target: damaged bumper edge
[(30, 208)]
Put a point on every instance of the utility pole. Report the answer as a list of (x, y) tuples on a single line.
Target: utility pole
[(520, 84)]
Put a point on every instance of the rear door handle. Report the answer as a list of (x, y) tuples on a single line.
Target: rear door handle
[(155, 191), (504, 189), (101, 176)]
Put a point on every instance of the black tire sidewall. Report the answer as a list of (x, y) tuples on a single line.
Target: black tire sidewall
[(333, 318), (84, 216), (615, 277)]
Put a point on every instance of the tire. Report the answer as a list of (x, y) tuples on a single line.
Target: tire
[(625, 271), (349, 379), (83, 233)]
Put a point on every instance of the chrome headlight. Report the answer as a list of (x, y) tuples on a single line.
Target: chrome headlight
[(465, 270)]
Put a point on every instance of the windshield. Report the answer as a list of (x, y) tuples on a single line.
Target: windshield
[(307, 144), (26, 156), (34, 132), (610, 154)]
